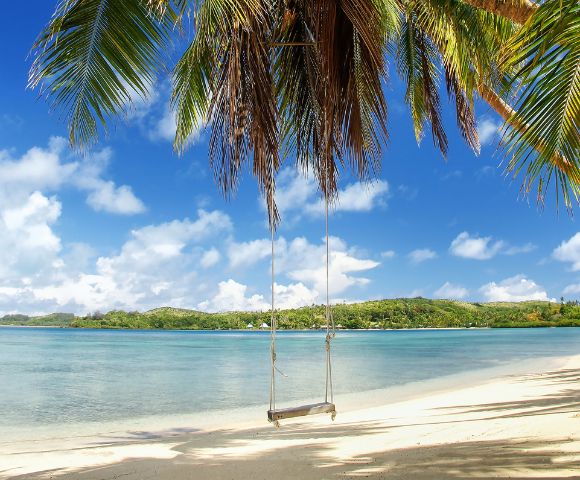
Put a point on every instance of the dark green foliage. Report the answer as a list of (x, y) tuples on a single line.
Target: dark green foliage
[(52, 320), (380, 314), (383, 314)]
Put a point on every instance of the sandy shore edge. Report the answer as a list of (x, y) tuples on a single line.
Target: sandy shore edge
[(524, 425)]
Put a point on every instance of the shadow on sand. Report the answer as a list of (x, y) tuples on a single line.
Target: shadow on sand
[(255, 454)]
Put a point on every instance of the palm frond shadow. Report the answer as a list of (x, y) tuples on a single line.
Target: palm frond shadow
[(256, 453)]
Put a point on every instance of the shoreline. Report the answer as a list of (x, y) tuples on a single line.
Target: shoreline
[(255, 415), (111, 451), (279, 330)]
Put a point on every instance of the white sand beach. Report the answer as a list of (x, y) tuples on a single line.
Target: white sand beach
[(514, 426)]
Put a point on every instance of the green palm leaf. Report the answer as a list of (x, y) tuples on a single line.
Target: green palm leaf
[(544, 137), (94, 55), (416, 64)]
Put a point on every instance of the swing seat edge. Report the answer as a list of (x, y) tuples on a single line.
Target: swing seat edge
[(301, 411)]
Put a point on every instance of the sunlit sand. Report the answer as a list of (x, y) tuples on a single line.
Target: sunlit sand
[(515, 426)]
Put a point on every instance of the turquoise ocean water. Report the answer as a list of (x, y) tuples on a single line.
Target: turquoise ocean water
[(68, 376)]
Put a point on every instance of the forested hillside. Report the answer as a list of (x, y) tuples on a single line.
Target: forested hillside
[(382, 314)]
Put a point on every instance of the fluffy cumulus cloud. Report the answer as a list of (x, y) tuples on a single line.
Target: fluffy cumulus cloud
[(172, 263), (297, 195), (422, 255), (49, 169), (451, 291), (294, 295), (514, 289), (28, 245), (32, 255), (341, 266), (109, 198), (477, 248), (232, 295), (156, 266), (304, 262), (569, 251)]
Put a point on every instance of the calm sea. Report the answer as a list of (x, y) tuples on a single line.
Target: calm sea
[(67, 376)]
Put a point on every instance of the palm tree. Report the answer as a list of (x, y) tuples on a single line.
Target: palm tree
[(303, 74), (463, 40)]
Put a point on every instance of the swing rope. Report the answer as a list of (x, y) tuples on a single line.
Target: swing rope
[(330, 330), (330, 327), (272, 315)]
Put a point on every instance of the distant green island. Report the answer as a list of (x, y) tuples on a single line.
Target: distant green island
[(378, 314)]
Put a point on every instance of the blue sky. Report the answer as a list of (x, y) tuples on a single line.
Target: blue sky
[(132, 225)]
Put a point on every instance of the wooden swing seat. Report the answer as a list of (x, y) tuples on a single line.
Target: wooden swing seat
[(302, 411)]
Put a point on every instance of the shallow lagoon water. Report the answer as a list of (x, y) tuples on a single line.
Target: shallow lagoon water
[(58, 377)]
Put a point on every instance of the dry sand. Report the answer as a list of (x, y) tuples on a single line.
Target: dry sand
[(516, 426)]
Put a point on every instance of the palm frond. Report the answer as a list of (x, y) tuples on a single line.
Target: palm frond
[(334, 109), (464, 111), (416, 64), (543, 134), (468, 41), (93, 56), (225, 78)]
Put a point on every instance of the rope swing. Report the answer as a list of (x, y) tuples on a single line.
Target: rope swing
[(274, 415)]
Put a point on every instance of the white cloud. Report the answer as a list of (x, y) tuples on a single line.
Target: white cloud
[(293, 191), (304, 262), (232, 296), (106, 197), (28, 246), (244, 254), (488, 130), (165, 128), (421, 255), (156, 266), (140, 106), (355, 197), (38, 169), (50, 169), (569, 251), (572, 289), (340, 266), (451, 291), (477, 248), (387, 254), (514, 289), (298, 195), (210, 258), (294, 295)]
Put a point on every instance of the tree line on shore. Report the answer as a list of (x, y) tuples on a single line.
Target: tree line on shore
[(379, 314)]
